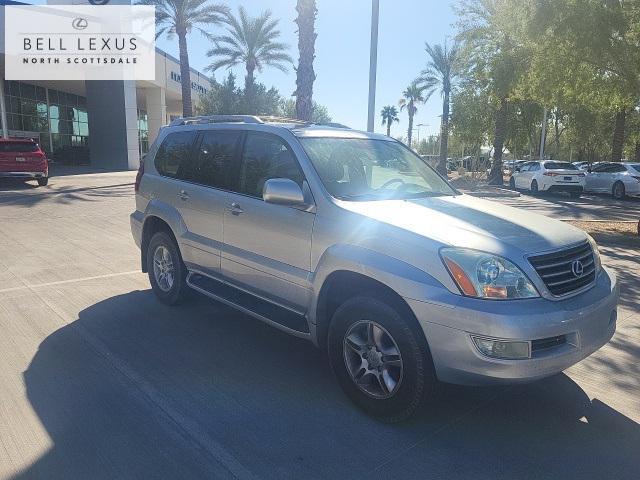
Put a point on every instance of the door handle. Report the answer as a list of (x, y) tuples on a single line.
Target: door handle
[(235, 209), (183, 195)]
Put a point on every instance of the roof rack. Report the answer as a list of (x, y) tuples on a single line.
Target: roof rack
[(215, 119)]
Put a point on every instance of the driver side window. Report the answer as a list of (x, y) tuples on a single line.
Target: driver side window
[(265, 157)]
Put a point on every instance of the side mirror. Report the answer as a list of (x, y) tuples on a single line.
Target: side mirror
[(282, 191)]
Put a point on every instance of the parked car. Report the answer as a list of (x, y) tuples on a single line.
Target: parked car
[(400, 278), (548, 176), (618, 179), (23, 158)]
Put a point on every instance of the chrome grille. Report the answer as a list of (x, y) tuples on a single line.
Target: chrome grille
[(557, 272)]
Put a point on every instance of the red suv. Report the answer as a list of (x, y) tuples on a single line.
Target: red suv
[(23, 158)]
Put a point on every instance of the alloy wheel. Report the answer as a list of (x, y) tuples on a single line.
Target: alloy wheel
[(373, 359), (163, 269)]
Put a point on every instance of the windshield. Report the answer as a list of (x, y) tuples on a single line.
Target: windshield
[(365, 169), (560, 166), (635, 166)]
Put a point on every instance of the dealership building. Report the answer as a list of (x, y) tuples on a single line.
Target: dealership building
[(105, 123)]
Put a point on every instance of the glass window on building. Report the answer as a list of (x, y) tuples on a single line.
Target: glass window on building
[(143, 132)]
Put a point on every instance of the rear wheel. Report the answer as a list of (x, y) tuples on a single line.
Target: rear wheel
[(534, 187), (43, 181), (381, 362), (618, 190), (167, 272)]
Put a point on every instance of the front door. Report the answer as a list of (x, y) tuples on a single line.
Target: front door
[(267, 247)]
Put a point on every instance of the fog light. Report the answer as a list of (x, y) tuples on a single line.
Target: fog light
[(502, 349)]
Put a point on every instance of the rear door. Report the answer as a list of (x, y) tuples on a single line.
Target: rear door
[(202, 195), (599, 178), (267, 247)]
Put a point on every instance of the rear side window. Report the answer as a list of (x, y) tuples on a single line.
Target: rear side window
[(266, 157), (213, 159), (18, 147), (175, 153)]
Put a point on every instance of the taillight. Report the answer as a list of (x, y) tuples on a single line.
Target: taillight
[(550, 174), (136, 186)]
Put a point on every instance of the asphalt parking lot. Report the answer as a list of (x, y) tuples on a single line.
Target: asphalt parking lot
[(99, 380)]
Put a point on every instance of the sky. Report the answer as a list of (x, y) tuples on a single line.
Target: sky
[(342, 55)]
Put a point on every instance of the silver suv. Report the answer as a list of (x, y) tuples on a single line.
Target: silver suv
[(350, 240)]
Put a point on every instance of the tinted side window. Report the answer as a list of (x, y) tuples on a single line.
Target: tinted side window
[(617, 168), (266, 157), (600, 168), (534, 167), (213, 159), (175, 153)]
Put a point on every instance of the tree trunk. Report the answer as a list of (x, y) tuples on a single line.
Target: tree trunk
[(618, 136), (305, 76), (637, 156), (444, 136), (389, 128), (410, 129), (495, 176), (185, 74)]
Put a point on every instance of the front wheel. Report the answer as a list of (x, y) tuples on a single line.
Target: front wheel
[(43, 181), (380, 361), (167, 272), (618, 191)]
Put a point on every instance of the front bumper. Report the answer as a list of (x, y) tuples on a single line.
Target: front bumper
[(587, 321)]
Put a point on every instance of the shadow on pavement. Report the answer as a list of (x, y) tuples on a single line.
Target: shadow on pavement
[(134, 389)]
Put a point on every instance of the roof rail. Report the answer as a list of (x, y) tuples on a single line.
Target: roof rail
[(215, 119)]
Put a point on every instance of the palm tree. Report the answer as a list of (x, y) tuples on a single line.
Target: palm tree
[(305, 76), (443, 71), (389, 115), (251, 41), (180, 17), (411, 97)]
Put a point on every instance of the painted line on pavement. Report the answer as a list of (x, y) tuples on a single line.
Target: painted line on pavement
[(73, 280)]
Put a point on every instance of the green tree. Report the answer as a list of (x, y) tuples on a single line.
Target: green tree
[(319, 113), (252, 42), (443, 71), (586, 53), (389, 115), (491, 32), (412, 96), (181, 17), (305, 75)]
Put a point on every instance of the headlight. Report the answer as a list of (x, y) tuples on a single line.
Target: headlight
[(596, 253), (484, 275)]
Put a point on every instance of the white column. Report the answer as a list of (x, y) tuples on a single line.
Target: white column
[(156, 111)]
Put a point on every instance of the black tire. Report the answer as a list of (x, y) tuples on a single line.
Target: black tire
[(417, 378), (43, 181), (534, 188), (618, 191), (179, 289), (512, 183)]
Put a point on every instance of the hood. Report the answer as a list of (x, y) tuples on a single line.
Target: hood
[(471, 222)]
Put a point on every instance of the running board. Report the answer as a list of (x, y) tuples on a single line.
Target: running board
[(268, 312)]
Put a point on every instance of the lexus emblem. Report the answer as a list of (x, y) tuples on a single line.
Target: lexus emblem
[(577, 268), (80, 23)]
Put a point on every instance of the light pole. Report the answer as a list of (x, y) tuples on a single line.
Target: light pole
[(373, 63), (418, 126)]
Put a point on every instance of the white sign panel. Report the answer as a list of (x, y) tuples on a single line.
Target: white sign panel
[(79, 42)]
